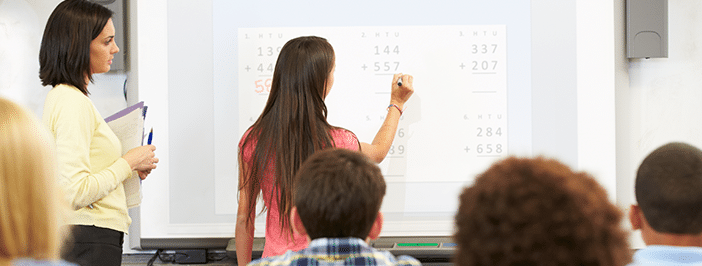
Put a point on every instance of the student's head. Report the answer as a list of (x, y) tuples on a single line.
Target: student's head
[(31, 205), (78, 41), (338, 193), (538, 212), (669, 189)]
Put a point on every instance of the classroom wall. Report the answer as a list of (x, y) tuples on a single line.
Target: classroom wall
[(661, 102), (21, 26), (658, 99)]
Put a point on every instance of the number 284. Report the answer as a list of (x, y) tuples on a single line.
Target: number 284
[(489, 131)]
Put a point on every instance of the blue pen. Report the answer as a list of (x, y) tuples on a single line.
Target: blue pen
[(151, 134)]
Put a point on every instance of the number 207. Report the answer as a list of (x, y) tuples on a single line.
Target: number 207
[(484, 65)]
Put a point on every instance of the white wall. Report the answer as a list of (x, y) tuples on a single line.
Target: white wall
[(658, 100), (21, 26)]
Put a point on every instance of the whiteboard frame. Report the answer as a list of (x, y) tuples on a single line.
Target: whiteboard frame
[(594, 50)]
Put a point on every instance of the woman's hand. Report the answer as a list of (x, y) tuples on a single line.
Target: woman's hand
[(142, 159)]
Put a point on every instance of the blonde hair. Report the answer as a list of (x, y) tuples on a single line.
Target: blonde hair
[(32, 210)]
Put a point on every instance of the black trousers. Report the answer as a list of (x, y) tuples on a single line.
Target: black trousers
[(93, 246)]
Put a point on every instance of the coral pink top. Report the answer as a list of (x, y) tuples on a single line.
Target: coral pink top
[(278, 239)]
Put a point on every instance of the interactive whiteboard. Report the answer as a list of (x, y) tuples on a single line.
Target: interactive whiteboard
[(453, 128), (491, 78)]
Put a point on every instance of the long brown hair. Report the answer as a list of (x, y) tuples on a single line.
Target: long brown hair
[(293, 124)]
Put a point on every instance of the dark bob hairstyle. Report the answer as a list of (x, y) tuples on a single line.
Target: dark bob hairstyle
[(64, 56)]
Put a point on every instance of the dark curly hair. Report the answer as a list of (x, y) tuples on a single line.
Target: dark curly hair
[(538, 212)]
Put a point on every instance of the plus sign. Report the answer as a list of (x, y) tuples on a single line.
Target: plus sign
[(247, 68), (467, 149), (462, 66), (364, 67)]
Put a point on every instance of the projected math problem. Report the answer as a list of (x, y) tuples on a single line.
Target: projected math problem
[(457, 119)]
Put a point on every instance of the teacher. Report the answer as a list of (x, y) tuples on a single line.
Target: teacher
[(79, 41)]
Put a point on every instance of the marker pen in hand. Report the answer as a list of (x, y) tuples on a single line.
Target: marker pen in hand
[(399, 82)]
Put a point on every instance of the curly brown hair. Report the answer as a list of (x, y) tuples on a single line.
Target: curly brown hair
[(538, 212)]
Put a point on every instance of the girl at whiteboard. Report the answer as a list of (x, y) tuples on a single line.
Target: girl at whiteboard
[(78, 42), (292, 126)]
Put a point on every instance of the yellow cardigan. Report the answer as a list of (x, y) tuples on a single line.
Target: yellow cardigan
[(91, 167)]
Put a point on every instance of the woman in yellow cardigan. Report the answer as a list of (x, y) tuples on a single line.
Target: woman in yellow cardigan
[(78, 42)]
